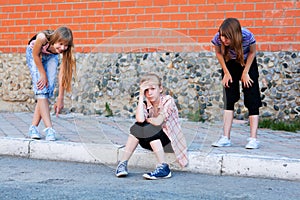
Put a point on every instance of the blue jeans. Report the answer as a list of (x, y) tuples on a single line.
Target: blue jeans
[(50, 64)]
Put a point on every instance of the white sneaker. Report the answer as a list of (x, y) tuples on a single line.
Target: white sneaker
[(222, 142), (50, 134), (34, 132), (252, 144)]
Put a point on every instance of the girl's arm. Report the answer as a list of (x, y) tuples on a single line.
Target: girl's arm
[(139, 115), (156, 121), (40, 40), (59, 105), (247, 81), (227, 76)]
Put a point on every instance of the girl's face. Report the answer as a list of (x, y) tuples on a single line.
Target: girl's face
[(153, 93), (225, 40), (60, 46)]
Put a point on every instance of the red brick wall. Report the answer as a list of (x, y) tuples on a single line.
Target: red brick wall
[(126, 25)]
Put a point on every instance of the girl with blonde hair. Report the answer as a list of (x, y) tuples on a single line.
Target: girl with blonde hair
[(42, 55)]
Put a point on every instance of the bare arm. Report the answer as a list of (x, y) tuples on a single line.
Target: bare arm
[(59, 105), (247, 81), (227, 76), (40, 40)]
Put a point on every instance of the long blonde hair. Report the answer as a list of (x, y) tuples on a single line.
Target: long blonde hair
[(231, 29), (64, 34)]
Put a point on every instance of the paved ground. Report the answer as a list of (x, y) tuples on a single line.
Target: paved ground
[(96, 139)]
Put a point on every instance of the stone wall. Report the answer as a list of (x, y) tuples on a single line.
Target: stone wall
[(110, 81)]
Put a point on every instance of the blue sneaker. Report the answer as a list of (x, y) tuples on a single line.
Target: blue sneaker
[(34, 132), (121, 170), (50, 134), (161, 171)]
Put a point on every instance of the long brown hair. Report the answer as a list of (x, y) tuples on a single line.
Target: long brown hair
[(231, 29), (64, 34)]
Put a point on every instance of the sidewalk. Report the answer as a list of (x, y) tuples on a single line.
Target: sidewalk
[(96, 139)]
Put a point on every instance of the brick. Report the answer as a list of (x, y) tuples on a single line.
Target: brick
[(119, 26), (144, 18), (94, 5), (110, 18), (135, 25), (283, 22), (292, 13), (187, 24), (124, 4), (21, 8), (234, 14), (64, 6), (143, 3), (173, 9), (206, 8), (274, 30), (8, 9), (196, 16), (42, 14), (135, 11), (178, 2), (161, 17), (225, 7), (264, 22), (160, 2), (130, 18), (111, 4), (178, 17), (215, 15), (103, 26), (170, 25), (247, 22), (245, 6), (284, 5), (152, 10), (197, 1), (265, 6), (119, 11), (256, 14), (273, 13), (80, 6)]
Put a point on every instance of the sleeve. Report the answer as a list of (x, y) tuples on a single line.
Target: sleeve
[(216, 40), (168, 108), (248, 36)]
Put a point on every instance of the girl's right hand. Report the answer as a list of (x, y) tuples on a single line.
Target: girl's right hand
[(143, 87), (226, 79), (43, 82)]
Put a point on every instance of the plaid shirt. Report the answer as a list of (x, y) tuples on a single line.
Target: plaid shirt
[(170, 126)]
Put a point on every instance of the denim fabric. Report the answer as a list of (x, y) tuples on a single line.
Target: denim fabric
[(50, 63)]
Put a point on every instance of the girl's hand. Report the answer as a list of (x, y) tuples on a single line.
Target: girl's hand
[(58, 106), (43, 82), (226, 79), (143, 87), (247, 81)]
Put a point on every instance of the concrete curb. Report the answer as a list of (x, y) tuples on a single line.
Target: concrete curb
[(214, 164)]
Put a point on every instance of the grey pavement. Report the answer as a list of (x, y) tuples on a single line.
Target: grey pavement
[(97, 139)]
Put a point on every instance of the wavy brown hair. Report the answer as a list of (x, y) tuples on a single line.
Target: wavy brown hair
[(231, 29), (64, 34)]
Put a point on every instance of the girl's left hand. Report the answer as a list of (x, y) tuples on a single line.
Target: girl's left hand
[(246, 80), (58, 106)]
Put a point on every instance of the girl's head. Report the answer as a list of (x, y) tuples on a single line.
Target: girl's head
[(230, 33), (154, 86), (61, 39)]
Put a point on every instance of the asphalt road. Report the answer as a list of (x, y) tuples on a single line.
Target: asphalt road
[(40, 179)]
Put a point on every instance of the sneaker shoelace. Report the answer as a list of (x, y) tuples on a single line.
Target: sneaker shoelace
[(157, 170), (122, 167)]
